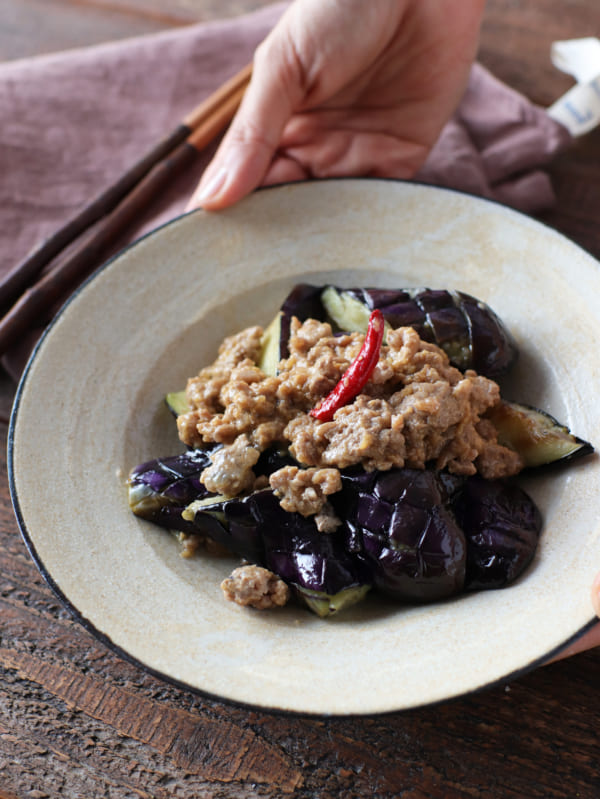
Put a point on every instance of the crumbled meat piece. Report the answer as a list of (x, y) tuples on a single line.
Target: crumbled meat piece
[(304, 490), (417, 409), (192, 542), (255, 586), (326, 520), (230, 471)]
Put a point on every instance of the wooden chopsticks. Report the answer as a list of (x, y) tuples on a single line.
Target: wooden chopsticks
[(27, 303)]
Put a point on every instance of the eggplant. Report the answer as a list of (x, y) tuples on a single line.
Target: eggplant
[(176, 402), (537, 436), (414, 535), (159, 490), (468, 331), (502, 525), (316, 565), (400, 525), (168, 492)]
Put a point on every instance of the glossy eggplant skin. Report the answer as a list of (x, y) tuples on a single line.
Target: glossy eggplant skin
[(159, 490), (415, 535), (502, 526), (401, 525), (317, 565), (303, 302), (168, 492), (467, 329), (303, 556)]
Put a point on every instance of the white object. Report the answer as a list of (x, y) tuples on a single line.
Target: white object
[(579, 109)]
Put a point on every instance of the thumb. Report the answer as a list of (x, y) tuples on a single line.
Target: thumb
[(247, 149)]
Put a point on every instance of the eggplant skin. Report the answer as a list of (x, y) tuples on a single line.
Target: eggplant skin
[(322, 572), (159, 490), (502, 525), (401, 526)]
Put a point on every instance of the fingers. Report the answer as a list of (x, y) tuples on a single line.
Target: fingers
[(304, 60), (246, 152)]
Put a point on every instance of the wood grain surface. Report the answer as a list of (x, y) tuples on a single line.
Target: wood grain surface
[(77, 721)]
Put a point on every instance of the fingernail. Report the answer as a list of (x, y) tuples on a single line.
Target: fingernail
[(210, 189)]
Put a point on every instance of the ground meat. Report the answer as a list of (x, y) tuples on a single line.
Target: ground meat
[(326, 520), (495, 461), (304, 490), (230, 472), (363, 432), (416, 410), (191, 543), (255, 586), (203, 393)]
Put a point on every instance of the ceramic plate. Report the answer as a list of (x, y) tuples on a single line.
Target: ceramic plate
[(90, 407)]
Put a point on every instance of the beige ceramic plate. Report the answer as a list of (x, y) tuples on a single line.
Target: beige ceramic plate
[(90, 407)]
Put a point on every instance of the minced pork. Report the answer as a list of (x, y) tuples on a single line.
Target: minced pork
[(415, 410)]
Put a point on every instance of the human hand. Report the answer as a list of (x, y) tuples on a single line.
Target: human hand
[(343, 87)]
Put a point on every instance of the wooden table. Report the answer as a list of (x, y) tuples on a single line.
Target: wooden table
[(76, 721)]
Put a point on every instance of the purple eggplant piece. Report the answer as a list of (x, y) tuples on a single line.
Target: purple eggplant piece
[(493, 350), (300, 554), (168, 492), (233, 524), (399, 524), (467, 329), (316, 565), (159, 490), (502, 526), (378, 298), (303, 302)]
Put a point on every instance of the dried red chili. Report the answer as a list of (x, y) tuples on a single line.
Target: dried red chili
[(357, 374)]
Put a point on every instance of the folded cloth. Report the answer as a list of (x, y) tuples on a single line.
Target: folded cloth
[(496, 146), (72, 122)]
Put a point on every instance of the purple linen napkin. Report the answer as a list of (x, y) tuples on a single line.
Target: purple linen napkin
[(72, 122)]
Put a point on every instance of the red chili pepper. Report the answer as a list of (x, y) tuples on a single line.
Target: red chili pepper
[(357, 374)]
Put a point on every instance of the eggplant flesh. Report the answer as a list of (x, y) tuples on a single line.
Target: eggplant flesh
[(537, 436)]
